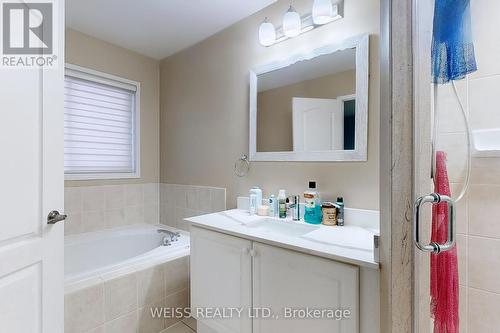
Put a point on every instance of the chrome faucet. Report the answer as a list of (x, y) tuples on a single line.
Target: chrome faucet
[(169, 237)]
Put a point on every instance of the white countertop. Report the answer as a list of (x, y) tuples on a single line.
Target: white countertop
[(350, 244)]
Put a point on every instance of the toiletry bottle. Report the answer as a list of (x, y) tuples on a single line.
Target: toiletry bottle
[(312, 207), (258, 193), (282, 204), (340, 211), (253, 204), (273, 206), (329, 210)]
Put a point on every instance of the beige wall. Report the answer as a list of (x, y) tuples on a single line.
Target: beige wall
[(204, 110), (275, 113), (87, 51)]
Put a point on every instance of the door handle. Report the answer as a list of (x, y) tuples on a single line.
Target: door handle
[(434, 199), (54, 217)]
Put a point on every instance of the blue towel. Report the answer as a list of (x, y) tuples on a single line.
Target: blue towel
[(452, 47)]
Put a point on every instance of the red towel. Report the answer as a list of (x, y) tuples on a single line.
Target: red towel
[(444, 267)]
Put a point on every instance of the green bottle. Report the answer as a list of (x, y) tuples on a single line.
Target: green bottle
[(282, 204)]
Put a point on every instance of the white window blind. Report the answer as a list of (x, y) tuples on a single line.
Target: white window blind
[(99, 127)]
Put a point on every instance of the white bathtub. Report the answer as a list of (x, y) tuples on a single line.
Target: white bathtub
[(91, 257)]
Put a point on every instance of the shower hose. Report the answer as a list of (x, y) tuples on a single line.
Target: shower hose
[(468, 134)]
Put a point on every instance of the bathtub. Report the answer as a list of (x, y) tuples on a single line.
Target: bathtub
[(116, 277), (95, 255)]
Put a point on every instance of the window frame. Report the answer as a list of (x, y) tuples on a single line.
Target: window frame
[(119, 82)]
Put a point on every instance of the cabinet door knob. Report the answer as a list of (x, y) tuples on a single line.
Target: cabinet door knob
[(54, 217)]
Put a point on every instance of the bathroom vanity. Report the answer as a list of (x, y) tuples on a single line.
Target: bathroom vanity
[(261, 274)]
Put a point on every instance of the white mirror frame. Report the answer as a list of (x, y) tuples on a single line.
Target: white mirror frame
[(361, 43)]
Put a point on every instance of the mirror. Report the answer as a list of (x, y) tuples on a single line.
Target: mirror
[(312, 107)]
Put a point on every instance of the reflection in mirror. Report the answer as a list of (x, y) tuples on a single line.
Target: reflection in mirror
[(308, 106)]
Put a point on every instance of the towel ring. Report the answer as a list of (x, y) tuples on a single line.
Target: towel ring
[(242, 166)]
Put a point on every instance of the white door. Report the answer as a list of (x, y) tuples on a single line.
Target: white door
[(284, 279), (31, 185), (318, 124), (221, 270)]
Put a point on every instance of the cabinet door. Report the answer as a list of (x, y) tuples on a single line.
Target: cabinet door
[(221, 271), (284, 279)]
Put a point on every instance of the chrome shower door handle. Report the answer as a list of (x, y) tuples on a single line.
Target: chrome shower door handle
[(434, 199)]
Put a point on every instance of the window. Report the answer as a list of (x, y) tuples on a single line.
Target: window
[(101, 125)]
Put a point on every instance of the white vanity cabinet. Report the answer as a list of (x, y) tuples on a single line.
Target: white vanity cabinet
[(228, 271), (221, 278), (286, 280)]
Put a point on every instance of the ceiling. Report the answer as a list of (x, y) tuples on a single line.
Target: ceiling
[(157, 28)]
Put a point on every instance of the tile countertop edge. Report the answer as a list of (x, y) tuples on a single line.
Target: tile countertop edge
[(287, 243)]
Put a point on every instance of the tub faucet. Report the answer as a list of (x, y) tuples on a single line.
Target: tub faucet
[(174, 236)]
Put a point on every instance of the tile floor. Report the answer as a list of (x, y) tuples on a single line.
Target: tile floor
[(185, 326)]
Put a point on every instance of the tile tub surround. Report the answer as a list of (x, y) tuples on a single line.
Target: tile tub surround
[(123, 303), (92, 208), (180, 201)]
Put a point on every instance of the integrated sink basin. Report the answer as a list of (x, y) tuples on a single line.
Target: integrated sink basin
[(291, 229)]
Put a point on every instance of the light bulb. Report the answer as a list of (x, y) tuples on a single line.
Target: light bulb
[(267, 33), (322, 11), (291, 23)]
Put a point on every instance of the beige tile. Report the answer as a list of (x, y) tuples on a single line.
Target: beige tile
[(167, 216), (462, 258), (114, 197), (167, 193), (205, 204), (487, 36), (462, 217), (99, 329), (128, 323), (93, 220), (483, 96), (181, 214), (115, 218), (485, 171), (120, 296), (180, 327), (484, 263), (84, 309), (180, 196), (218, 200), (192, 197), (151, 193), (483, 311), (134, 194), (484, 201), (73, 224), (462, 308), (191, 322), (176, 275), (148, 323), (180, 301), (151, 285), (454, 144), (134, 214), (450, 119), (93, 198), (151, 213), (73, 203)]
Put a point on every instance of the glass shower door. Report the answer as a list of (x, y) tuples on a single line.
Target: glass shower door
[(477, 222)]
